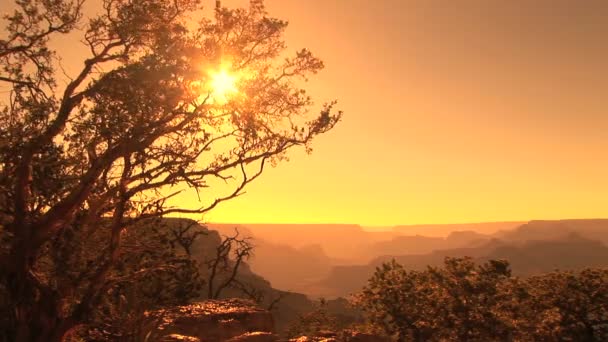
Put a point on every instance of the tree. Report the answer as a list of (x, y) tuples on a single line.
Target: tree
[(561, 305), (452, 303), (225, 265), (159, 105), (228, 274), (463, 301), (172, 276)]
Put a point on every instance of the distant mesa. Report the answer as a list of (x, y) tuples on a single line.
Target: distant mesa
[(532, 248), (335, 260), (443, 230)]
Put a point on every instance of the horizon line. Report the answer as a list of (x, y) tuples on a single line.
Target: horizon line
[(405, 224)]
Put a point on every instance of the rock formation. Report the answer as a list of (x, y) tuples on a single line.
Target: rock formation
[(211, 321)]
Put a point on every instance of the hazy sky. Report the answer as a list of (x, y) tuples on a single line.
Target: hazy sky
[(456, 111)]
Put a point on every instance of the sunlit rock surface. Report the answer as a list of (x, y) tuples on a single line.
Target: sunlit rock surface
[(343, 336), (180, 338), (210, 321), (257, 336)]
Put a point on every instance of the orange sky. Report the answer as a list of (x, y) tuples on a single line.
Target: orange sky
[(456, 111)]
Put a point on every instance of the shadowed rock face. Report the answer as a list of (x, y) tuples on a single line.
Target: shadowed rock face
[(211, 321)]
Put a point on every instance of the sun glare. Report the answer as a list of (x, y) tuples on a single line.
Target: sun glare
[(222, 84)]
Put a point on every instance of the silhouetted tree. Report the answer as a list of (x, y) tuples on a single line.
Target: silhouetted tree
[(225, 265), (268, 298), (227, 273), (136, 125)]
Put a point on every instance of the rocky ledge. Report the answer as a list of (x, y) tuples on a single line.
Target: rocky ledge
[(211, 321), (232, 320), (342, 336)]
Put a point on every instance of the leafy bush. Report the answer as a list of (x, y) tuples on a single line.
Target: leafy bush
[(463, 301)]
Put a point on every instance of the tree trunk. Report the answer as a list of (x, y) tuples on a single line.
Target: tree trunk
[(36, 322), (34, 307)]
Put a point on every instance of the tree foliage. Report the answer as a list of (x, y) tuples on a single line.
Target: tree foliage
[(160, 271), (135, 126), (463, 301)]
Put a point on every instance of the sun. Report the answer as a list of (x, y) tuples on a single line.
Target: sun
[(222, 84)]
